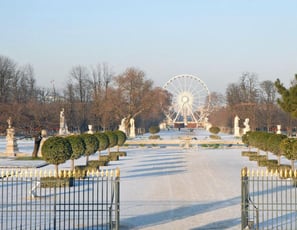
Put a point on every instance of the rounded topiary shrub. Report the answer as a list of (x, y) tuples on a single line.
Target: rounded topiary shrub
[(78, 148), (122, 137), (91, 143), (214, 130), (154, 129), (112, 138), (56, 150), (103, 141)]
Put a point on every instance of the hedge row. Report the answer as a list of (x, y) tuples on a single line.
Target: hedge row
[(57, 150)]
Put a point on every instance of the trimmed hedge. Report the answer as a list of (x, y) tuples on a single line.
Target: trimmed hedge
[(51, 182)]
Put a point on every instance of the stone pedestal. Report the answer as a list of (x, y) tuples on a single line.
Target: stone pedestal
[(11, 143)]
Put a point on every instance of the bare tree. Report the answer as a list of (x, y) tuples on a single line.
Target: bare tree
[(242, 98), (7, 74), (268, 102), (79, 89), (137, 94)]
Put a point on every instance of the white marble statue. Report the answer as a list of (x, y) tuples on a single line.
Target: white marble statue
[(278, 131), (63, 126), (122, 126), (11, 142), (90, 131), (132, 128), (246, 126)]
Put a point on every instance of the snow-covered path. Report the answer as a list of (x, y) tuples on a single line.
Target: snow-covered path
[(175, 188), (181, 189)]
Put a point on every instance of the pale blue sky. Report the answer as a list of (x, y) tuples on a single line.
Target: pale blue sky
[(215, 40)]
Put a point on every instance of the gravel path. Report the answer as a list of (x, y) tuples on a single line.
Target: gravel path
[(181, 189)]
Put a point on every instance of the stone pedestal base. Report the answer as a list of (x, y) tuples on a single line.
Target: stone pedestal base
[(11, 143), (236, 132)]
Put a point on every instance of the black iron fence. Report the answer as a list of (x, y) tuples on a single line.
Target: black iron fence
[(28, 202), (269, 199)]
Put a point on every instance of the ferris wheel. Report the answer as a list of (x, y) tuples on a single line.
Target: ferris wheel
[(190, 100)]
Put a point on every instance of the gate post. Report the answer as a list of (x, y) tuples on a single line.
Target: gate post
[(244, 198), (117, 199)]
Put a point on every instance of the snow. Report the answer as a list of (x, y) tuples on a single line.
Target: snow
[(175, 188)]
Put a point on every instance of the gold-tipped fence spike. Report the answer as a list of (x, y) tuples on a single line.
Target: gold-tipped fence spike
[(102, 173), (117, 174), (282, 172), (106, 173), (2, 173), (295, 173), (111, 173), (244, 172), (97, 173)]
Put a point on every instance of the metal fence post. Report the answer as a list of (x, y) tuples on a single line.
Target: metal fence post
[(244, 198), (117, 199)]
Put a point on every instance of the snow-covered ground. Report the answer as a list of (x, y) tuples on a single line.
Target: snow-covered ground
[(175, 188)]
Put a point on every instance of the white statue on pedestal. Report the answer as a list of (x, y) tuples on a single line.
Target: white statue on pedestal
[(63, 127), (207, 124), (122, 126), (247, 126), (11, 143), (132, 128), (278, 131), (236, 126), (90, 131)]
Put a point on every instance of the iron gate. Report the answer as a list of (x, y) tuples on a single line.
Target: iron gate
[(268, 199), (89, 203)]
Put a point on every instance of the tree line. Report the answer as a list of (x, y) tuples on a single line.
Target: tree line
[(258, 101), (93, 96), (99, 97)]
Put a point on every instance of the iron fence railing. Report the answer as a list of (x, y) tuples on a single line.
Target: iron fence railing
[(89, 203), (269, 199)]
